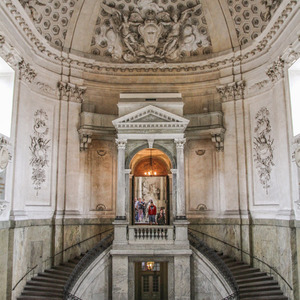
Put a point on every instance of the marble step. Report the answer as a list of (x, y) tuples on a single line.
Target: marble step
[(37, 298), (244, 271), (42, 293), (249, 276), (267, 298), (59, 272), (44, 289), (51, 284), (48, 280), (260, 294), (274, 287), (53, 275), (255, 284)]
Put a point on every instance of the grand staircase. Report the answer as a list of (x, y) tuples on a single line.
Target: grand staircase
[(49, 284), (252, 283)]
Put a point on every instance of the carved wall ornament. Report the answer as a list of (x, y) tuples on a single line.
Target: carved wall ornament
[(121, 144), (296, 150), (5, 155), (276, 72), (180, 143), (71, 91), (271, 6), (39, 147), (218, 139), (200, 152), (85, 140), (101, 152), (3, 206), (263, 147), (100, 207), (147, 32), (201, 207), (232, 91), (26, 72)]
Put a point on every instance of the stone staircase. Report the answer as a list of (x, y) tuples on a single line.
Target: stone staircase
[(253, 284), (50, 283)]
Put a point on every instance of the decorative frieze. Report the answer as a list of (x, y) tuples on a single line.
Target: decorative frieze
[(70, 91), (263, 147), (39, 147), (231, 91)]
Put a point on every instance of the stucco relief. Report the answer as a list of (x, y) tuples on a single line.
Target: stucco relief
[(263, 147), (148, 32), (5, 154), (39, 147)]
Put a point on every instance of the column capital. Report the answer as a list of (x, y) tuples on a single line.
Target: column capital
[(121, 143), (180, 142)]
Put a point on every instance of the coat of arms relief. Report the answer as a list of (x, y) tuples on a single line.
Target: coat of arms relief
[(147, 32)]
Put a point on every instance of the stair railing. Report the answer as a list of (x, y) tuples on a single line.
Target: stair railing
[(251, 256), (215, 259), (32, 270), (84, 263)]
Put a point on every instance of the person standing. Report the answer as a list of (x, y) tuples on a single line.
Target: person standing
[(161, 219), (152, 212)]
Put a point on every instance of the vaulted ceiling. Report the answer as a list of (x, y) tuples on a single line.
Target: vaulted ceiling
[(147, 31)]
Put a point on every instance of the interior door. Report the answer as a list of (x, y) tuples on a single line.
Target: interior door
[(150, 287)]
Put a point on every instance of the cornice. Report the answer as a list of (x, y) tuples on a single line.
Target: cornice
[(89, 65)]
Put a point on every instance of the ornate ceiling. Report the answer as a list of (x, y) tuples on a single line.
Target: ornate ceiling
[(146, 31)]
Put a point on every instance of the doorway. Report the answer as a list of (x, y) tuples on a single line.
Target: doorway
[(151, 280), (150, 187)]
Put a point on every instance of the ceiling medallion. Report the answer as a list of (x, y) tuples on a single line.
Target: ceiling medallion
[(149, 33)]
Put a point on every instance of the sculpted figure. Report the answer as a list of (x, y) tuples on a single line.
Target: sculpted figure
[(122, 25), (30, 6), (171, 44)]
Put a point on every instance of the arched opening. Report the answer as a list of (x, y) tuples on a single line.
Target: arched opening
[(151, 169)]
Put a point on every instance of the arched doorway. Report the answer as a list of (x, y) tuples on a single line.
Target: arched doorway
[(150, 187)]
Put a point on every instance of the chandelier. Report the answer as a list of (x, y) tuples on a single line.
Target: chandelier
[(150, 172)]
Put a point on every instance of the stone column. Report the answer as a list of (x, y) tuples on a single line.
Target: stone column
[(180, 207), (120, 205)]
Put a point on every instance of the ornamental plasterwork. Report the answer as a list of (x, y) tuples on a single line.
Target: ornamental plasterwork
[(263, 147), (251, 17), (232, 91), (26, 72), (102, 67), (51, 18), (71, 91), (39, 147), (276, 72), (145, 31), (160, 119), (5, 154)]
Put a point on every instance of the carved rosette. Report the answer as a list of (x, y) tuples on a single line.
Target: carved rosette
[(39, 147), (263, 147), (232, 91), (71, 91)]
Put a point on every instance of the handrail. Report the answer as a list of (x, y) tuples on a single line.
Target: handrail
[(85, 262), (252, 256), (215, 259), (60, 252), (24, 277)]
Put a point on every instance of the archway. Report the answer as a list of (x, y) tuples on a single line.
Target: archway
[(150, 187)]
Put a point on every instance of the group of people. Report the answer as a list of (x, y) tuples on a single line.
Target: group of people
[(142, 210)]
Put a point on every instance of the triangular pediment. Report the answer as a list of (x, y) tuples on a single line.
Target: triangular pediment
[(151, 117)]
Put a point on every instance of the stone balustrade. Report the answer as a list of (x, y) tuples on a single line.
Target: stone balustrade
[(149, 234)]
